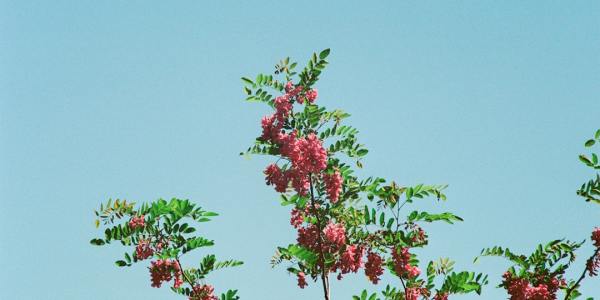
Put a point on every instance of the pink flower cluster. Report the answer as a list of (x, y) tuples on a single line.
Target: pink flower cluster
[(334, 242), (335, 233), (143, 250), (418, 235), (335, 237), (203, 292), (302, 280), (277, 178), (295, 91), (333, 185), (308, 237), (350, 261), (413, 293), (402, 265), (596, 237), (373, 267), (164, 270), (521, 289), (307, 156), (593, 264), (296, 219), (137, 222), (442, 296)]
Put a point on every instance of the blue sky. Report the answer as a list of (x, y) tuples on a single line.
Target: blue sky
[(142, 99)]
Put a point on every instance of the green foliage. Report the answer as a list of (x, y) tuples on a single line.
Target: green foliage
[(590, 190), (369, 209), (163, 228)]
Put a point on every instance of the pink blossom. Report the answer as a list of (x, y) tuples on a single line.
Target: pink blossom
[(164, 270), (300, 181), (308, 237), (442, 296), (137, 222), (373, 267), (311, 95), (521, 289), (203, 292), (296, 219), (283, 108), (402, 265), (313, 157), (351, 260), (335, 233), (292, 91), (596, 237), (277, 178), (270, 127), (412, 293), (288, 146), (333, 185), (143, 250), (302, 280)]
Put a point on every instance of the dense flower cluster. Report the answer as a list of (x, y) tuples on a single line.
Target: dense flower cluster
[(413, 293), (308, 237), (373, 267), (350, 261), (593, 264), (302, 280), (334, 242), (402, 265), (137, 222), (306, 154), (596, 237), (335, 233), (277, 178), (164, 270), (296, 218), (203, 292), (333, 185), (417, 235), (143, 250), (522, 289), (311, 95), (441, 296)]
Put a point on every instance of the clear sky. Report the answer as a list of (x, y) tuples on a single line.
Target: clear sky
[(142, 99)]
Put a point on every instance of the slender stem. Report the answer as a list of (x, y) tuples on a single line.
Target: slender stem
[(576, 285), (403, 286), (187, 279), (324, 278)]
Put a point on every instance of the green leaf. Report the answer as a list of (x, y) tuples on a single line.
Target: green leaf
[(97, 242), (121, 263), (303, 254), (585, 160), (324, 53), (209, 214), (247, 80), (447, 217), (590, 143), (197, 242), (362, 152)]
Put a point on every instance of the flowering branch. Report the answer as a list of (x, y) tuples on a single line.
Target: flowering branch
[(314, 156), (158, 231), (592, 265), (541, 275)]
